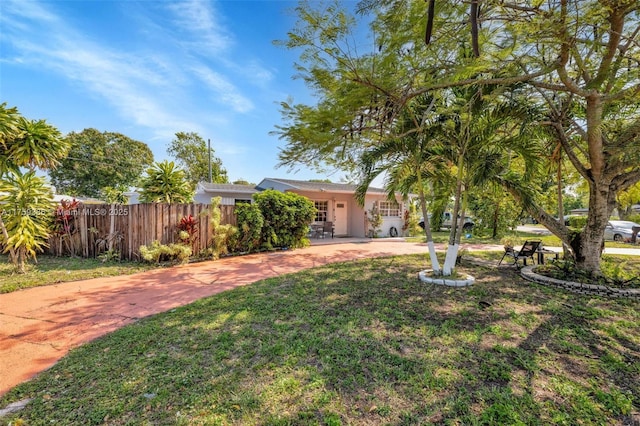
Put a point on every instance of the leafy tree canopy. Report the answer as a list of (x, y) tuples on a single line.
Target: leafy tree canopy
[(576, 59), (191, 152), (98, 160)]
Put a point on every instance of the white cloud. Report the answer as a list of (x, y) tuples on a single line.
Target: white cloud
[(199, 20), (224, 91), (136, 87)]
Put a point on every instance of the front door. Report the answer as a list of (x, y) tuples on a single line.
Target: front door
[(341, 218)]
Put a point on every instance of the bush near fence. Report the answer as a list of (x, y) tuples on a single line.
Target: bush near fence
[(124, 228)]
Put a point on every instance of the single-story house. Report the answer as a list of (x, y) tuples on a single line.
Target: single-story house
[(336, 203), (230, 193)]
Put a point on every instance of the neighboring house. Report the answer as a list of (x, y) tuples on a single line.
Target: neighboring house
[(336, 203), (231, 194)]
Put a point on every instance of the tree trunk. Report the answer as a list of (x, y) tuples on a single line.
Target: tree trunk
[(435, 264), (5, 234), (454, 239), (587, 246), (565, 248)]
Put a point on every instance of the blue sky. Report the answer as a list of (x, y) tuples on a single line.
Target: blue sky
[(149, 69)]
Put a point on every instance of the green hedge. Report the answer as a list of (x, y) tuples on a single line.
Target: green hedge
[(286, 218)]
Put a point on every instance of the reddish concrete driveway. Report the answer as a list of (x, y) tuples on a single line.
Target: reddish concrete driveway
[(38, 326)]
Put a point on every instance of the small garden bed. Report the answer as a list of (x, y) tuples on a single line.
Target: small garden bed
[(616, 273)]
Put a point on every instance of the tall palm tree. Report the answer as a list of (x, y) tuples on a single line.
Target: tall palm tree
[(483, 128), (409, 162), (165, 183)]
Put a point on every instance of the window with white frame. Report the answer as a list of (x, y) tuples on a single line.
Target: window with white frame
[(323, 208), (389, 208)]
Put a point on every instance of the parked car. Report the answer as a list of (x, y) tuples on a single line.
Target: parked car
[(446, 222), (619, 230)]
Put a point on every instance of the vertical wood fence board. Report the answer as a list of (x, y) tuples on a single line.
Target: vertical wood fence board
[(135, 225)]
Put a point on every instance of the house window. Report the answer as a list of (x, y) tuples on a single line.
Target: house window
[(323, 208), (239, 201), (389, 208)]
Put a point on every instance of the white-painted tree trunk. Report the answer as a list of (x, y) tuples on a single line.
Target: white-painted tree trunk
[(450, 259), (435, 265)]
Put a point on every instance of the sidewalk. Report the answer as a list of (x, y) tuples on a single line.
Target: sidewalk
[(40, 325)]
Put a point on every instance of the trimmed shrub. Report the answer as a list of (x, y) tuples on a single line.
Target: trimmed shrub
[(578, 221), (286, 218)]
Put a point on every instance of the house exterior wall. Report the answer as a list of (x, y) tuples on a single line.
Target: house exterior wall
[(387, 221), (227, 199), (357, 225)]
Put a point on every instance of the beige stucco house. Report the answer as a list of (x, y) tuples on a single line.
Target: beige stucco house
[(336, 203)]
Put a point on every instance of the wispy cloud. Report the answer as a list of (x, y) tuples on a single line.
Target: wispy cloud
[(199, 20), (225, 91), (127, 81)]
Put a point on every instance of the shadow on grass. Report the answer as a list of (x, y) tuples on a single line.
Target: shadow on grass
[(357, 343)]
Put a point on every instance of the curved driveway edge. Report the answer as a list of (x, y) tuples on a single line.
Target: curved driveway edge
[(38, 326)]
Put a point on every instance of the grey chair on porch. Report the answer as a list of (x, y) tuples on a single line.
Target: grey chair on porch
[(326, 229)]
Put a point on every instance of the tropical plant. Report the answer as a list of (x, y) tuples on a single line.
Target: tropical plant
[(188, 230), (224, 237), (26, 205), (165, 183), (374, 221), (64, 225), (31, 144), (156, 253)]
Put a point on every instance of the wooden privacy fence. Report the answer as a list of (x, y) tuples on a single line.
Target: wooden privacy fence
[(94, 229)]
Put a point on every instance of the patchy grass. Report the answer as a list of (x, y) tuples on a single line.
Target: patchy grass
[(357, 343), (51, 270)]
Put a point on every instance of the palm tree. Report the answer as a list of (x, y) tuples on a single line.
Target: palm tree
[(27, 202), (25, 143), (409, 162), (481, 128), (37, 144), (165, 183)]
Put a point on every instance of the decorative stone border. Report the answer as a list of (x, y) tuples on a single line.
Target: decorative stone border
[(591, 289), (424, 277)]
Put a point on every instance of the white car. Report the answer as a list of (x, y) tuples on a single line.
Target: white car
[(619, 230)]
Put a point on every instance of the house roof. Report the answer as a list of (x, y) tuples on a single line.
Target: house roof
[(302, 185), (227, 187)]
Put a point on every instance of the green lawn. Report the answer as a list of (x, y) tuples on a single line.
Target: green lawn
[(51, 270), (357, 343), (516, 236)]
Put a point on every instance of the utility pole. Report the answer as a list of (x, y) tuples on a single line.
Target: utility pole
[(209, 154)]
